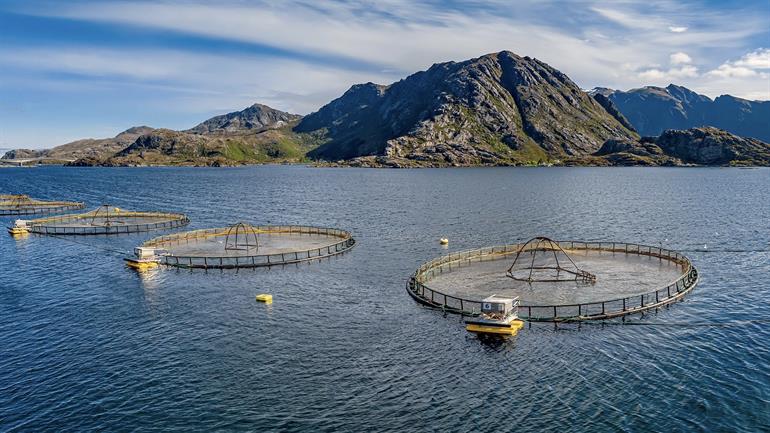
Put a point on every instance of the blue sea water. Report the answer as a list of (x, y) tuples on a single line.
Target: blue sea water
[(88, 344)]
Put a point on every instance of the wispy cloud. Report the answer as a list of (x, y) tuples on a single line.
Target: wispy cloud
[(193, 81), (405, 35)]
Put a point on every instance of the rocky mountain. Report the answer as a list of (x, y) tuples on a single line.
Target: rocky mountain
[(255, 134), (695, 146), (166, 147), (496, 109), (652, 110), (256, 117), (85, 148)]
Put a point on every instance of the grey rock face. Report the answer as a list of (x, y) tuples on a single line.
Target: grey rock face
[(493, 110), (699, 146), (712, 146), (256, 117)]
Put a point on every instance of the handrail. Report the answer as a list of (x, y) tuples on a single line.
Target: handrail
[(250, 260), (684, 283)]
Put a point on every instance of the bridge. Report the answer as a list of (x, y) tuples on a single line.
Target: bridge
[(27, 162)]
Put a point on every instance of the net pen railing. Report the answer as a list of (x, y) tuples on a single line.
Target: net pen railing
[(216, 232), (249, 260), (58, 225), (114, 214), (11, 205), (596, 310)]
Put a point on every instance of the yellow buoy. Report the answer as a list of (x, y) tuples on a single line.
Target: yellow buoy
[(444, 241), (267, 299)]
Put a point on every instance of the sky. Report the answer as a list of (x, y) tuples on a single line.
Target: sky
[(80, 68)]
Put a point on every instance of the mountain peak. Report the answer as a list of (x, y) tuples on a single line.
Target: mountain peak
[(255, 117), (137, 130)]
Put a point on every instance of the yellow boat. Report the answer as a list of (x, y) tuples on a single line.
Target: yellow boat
[(19, 228), (499, 316), (143, 259)]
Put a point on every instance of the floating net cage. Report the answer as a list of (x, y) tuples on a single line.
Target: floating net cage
[(105, 220), (13, 205), (543, 260), (243, 245), (557, 281)]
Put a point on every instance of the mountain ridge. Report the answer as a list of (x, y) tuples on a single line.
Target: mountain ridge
[(496, 109), (652, 110)]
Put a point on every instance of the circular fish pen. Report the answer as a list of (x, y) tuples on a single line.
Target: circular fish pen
[(244, 246), (557, 281), (105, 220), (15, 205)]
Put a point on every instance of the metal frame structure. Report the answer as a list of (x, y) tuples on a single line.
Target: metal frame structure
[(535, 272), (240, 236), (418, 284)]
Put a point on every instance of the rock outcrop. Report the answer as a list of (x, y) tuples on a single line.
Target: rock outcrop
[(712, 146), (695, 146)]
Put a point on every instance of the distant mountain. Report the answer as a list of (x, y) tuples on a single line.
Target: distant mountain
[(85, 148), (256, 134), (256, 117), (652, 110), (698, 146), (274, 143), (496, 109)]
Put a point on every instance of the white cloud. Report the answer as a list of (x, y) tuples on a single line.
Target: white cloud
[(679, 68), (759, 59), (657, 76), (679, 58), (677, 29), (750, 65), (729, 70)]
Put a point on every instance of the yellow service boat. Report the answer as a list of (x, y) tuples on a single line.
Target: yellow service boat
[(143, 259), (19, 229), (499, 316)]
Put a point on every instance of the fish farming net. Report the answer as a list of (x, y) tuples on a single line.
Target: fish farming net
[(242, 246), (627, 279), (14, 205), (106, 220)]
